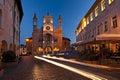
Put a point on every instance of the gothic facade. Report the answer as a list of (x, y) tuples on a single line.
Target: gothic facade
[(47, 39)]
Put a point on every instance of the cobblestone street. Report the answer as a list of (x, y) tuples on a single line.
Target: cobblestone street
[(33, 69)]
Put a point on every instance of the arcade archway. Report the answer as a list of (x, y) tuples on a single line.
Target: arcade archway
[(4, 46), (48, 49)]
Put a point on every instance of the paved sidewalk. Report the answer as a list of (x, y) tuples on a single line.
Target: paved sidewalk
[(113, 64)]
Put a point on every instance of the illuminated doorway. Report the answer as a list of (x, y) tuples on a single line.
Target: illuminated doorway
[(48, 49), (56, 49), (39, 50)]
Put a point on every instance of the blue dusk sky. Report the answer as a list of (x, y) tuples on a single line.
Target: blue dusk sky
[(72, 11)]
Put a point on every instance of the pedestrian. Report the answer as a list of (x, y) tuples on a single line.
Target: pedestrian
[(19, 59)]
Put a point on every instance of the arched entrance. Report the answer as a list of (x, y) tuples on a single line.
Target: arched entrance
[(15, 47), (39, 50), (11, 46), (56, 49), (48, 50), (48, 43), (4, 46)]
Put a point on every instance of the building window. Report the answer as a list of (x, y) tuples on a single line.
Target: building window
[(0, 18), (91, 16), (65, 43), (102, 5), (84, 22), (87, 20), (114, 20), (110, 1), (105, 27), (98, 31), (11, 12), (92, 33), (55, 40), (96, 11), (4, 2), (18, 35), (88, 34)]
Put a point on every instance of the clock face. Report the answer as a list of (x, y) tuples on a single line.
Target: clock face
[(47, 28)]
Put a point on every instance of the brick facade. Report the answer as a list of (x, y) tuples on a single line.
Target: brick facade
[(47, 39)]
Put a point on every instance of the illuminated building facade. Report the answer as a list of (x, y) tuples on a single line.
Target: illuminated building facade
[(10, 18), (28, 45), (47, 39), (100, 27), (23, 50)]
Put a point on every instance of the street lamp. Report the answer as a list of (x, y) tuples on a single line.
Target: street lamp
[(27, 40)]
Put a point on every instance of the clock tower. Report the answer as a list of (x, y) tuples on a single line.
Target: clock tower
[(35, 21), (48, 43)]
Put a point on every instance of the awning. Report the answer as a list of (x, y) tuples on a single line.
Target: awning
[(108, 37), (100, 39), (84, 42)]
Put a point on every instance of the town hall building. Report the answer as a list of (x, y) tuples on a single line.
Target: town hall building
[(47, 39)]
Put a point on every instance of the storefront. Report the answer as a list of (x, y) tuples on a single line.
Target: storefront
[(108, 41)]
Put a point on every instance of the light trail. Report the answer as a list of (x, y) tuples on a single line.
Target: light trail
[(75, 70), (81, 63)]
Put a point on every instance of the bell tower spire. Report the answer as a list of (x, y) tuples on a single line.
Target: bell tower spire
[(35, 21), (59, 20)]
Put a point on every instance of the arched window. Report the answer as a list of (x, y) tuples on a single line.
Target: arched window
[(11, 46)]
